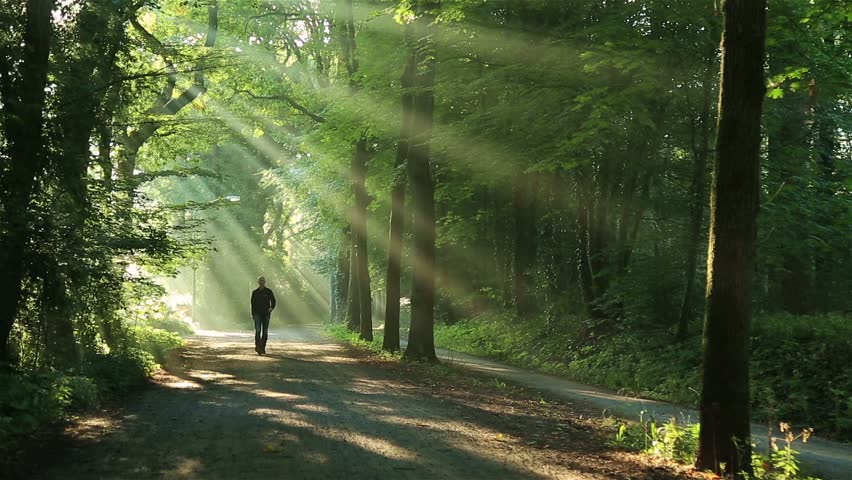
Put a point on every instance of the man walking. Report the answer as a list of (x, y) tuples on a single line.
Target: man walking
[(262, 304)]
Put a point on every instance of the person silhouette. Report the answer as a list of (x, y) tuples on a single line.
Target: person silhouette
[(262, 304)]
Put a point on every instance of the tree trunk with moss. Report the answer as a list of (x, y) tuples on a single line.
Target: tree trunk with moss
[(724, 441)]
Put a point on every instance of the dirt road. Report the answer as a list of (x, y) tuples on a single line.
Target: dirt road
[(310, 410)]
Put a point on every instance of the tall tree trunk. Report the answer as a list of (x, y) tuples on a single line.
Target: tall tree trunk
[(359, 286), (359, 230), (700, 153), (397, 219), (525, 243), (343, 270), (23, 122), (725, 434), (353, 295), (502, 249), (584, 267), (421, 340)]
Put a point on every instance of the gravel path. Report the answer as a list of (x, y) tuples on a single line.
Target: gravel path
[(308, 410)]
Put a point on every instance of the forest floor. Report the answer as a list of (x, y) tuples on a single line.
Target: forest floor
[(315, 409)]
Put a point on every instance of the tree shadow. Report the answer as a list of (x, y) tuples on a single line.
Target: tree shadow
[(312, 412)]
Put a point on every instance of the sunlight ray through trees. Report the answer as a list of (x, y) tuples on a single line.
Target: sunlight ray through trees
[(527, 180)]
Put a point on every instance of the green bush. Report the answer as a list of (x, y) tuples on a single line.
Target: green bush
[(32, 399), (155, 341), (172, 324), (153, 312), (116, 372), (679, 442), (82, 391), (798, 374)]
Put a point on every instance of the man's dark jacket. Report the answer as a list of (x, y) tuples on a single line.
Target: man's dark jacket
[(261, 301)]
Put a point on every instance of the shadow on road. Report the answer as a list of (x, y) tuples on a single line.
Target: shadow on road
[(306, 410)]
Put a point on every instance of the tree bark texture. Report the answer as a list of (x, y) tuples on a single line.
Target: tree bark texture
[(421, 340), (359, 234), (397, 220), (343, 273), (724, 408), (353, 296)]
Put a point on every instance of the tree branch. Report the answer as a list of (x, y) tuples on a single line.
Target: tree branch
[(296, 105), (167, 103)]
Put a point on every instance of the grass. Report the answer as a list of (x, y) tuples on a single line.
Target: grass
[(339, 331)]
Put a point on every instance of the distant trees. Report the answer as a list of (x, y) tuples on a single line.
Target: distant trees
[(543, 208)]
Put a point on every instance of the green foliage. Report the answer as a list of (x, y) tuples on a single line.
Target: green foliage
[(781, 463), (793, 369), (339, 331), (795, 374), (154, 313), (115, 373), (534, 343), (678, 441), (30, 400), (155, 342), (672, 440)]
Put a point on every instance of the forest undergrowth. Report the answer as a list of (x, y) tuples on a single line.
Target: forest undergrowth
[(794, 372), (31, 398), (678, 441)]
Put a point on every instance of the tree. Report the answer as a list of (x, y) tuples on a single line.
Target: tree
[(23, 96), (171, 100), (421, 341), (390, 341), (700, 153), (359, 237), (360, 309), (724, 440)]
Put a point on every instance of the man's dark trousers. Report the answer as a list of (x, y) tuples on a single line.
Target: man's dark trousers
[(261, 331)]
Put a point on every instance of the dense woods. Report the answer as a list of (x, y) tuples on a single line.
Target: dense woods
[(528, 179)]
